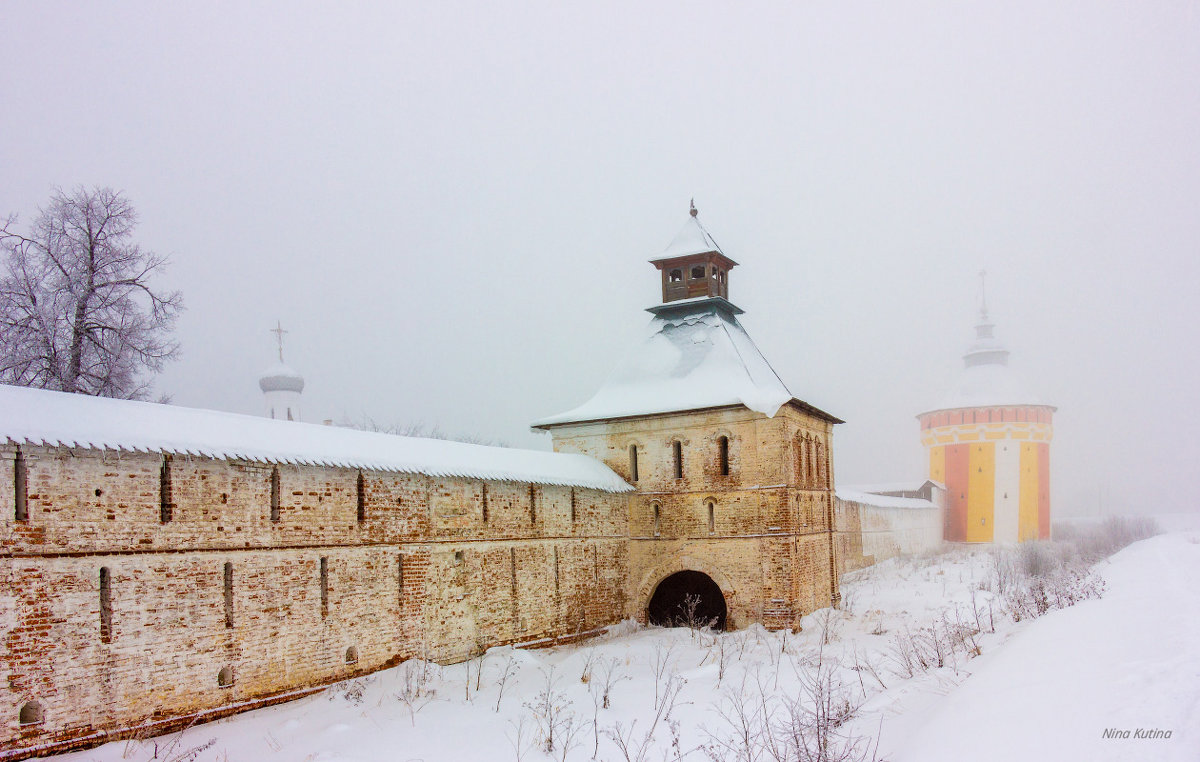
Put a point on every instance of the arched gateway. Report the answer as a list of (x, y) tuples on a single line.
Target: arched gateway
[(687, 597)]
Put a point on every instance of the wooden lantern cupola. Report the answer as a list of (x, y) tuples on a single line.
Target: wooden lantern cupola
[(694, 266)]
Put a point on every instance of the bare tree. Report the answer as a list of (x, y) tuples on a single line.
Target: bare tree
[(78, 312)]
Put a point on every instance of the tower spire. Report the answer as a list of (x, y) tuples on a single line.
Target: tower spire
[(279, 332), (983, 313)]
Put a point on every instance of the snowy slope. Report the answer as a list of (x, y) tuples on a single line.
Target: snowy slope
[(1129, 660)]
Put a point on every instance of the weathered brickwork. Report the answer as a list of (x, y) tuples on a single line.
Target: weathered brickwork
[(122, 608), (757, 524)]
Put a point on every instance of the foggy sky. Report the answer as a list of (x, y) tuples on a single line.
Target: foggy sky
[(451, 205)]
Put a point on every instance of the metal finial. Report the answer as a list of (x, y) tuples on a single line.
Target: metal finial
[(279, 332), (693, 211), (983, 294)]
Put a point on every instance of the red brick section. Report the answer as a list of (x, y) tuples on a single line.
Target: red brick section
[(957, 471)]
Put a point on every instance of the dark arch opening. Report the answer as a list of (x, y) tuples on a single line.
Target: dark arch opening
[(685, 598)]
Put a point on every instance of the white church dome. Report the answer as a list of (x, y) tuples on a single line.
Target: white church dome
[(281, 378)]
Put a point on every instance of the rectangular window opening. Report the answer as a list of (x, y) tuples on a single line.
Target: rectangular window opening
[(484, 498), (361, 487), (723, 454), (712, 518), (275, 494), (572, 505), (633, 464), (324, 587), (532, 505), (105, 605), (657, 520), (228, 595), (677, 448), (21, 487), (165, 506)]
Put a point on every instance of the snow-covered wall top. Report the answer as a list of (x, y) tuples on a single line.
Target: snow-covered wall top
[(40, 417), (882, 501), (696, 358)]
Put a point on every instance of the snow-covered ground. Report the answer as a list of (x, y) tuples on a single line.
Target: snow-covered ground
[(1043, 688)]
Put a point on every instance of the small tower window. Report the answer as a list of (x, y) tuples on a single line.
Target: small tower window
[(657, 520), (225, 677), (676, 276), (275, 494), (164, 490), (723, 454), (532, 504), (361, 488), (712, 517), (484, 500), (633, 464), (105, 605), (572, 505), (677, 450), (698, 272), (31, 714), (21, 488)]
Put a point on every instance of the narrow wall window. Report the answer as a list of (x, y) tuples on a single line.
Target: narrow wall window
[(532, 505), (275, 494), (225, 677), (21, 487), (723, 454), (228, 595), (324, 587), (677, 449), (484, 499), (105, 605), (572, 505), (164, 491), (633, 469), (657, 520), (712, 517), (361, 487), (351, 655)]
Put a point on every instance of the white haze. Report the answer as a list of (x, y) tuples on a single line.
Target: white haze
[(450, 206)]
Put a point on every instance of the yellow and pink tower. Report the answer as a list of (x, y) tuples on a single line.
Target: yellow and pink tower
[(989, 443)]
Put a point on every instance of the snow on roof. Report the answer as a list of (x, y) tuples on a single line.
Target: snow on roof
[(987, 385), (280, 377), (691, 239), (698, 357), (881, 501), (40, 417), (914, 486)]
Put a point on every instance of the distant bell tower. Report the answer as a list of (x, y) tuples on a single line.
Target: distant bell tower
[(694, 266), (281, 385)]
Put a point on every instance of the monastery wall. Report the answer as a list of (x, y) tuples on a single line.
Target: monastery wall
[(253, 582), (866, 533)]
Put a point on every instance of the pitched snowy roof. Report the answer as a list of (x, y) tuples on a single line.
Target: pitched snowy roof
[(691, 239), (40, 417), (883, 501), (881, 487), (695, 357)]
